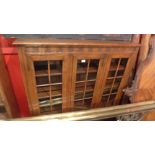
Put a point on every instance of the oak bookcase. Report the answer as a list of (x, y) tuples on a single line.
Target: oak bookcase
[(73, 74)]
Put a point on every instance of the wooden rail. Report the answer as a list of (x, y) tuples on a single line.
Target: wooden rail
[(96, 114)]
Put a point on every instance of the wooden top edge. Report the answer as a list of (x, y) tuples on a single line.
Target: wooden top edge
[(70, 42)]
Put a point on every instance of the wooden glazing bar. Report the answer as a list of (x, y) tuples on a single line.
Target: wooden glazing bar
[(85, 86), (49, 79), (83, 99)]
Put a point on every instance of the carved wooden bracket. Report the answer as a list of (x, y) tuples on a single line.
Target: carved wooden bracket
[(131, 117)]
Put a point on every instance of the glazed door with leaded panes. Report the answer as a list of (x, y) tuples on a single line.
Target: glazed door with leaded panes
[(51, 83)]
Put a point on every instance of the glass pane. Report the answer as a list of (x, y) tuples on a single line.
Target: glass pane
[(118, 80), (87, 102), (57, 104), (56, 79), (120, 73), (41, 68), (45, 109), (88, 94), (92, 76), (111, 73), (80, 87), (82, 66), (114, 62), (106, 91), (78, 96), (90, 86), (104, 100), (93, 65), (44, 101), (42, 80), (56, 100), (81, 77), (79, 103), (56, 90), (56, 67), (112, 98), (109, 83), (124, 62), (43, 92), (57, 108)]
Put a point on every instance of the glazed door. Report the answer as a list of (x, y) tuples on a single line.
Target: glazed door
[(115, 76), (85, 71), (48, 83)]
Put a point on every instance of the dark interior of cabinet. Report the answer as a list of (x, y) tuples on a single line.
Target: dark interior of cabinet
[(48, 75)]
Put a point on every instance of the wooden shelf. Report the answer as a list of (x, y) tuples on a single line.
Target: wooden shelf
[(84, 70), (109, 86), (42, 95), (52, 84), (46, 88), (116, 77), (114, 68), (109, 94), (80, 89), (40, 73), (93, 80), (82, 99), (44, 92), (47, 103)]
